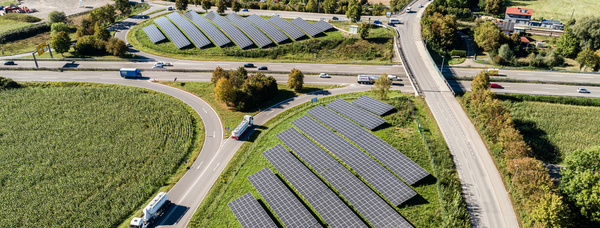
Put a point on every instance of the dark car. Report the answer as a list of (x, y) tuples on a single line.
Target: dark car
[(335, 18), (377, 22), (495, 86), (263, 68), (245, 10), (248, 65), (10, 62)]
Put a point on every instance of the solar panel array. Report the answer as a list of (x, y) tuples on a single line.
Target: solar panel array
[(372, 105), (283, 202), (288, 28), (249, 212), (189, 29), (154, 33), (359, 195), (172, 32), (319, 196), (238, 37), (308, 28), (362, 117), (211, 31), (380, 178), (397, 162), (255, 34), (277, 35), (322, 25)]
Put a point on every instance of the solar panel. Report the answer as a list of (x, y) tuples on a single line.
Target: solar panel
[(318, 195), (322, 26), (286, 27), (358, 194), (252, 31), (211, 31), (172, 32), (380, 178), (249, 212), (308, 28), (189, 29), (277, 35), (397, 162), (372, 105), (362, 117), (237, 36), (154, 33), (283, 202)]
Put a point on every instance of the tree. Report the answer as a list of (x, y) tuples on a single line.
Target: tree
[(587, 58), (494, 7), (329, 6), (181, 4), (581, 181), (505, 52), (236, 6), (488, 36), (363, 30), (61, 42), (480, 82), (123, 6), (220, 6), (85, 45), (59, 27), (100, 32), (218, 73), (531, 59), (296, 79), (567, 45), (354, 10), (550, 212), (225, 92), (57, 16), (587, 30), (241, 73), (439, 30), (206, 4), (116, 47), (382, 86), (105, 15), (311, 6)]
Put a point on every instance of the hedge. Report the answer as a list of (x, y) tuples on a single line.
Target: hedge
[(25, 32), (461, 53)]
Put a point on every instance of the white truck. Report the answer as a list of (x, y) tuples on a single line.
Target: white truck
[(152, 211), (370, 78), (242, 127)]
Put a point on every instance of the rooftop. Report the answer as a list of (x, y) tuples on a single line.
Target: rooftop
[(519, 11)]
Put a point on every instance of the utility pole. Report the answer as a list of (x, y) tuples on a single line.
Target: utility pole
[(513, 179), (442, 68)]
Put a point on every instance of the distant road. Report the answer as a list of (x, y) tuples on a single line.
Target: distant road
[(530, 75), (533, 89)]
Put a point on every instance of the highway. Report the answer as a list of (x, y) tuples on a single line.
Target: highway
[(533, 89), (529, 75), (487, 199)]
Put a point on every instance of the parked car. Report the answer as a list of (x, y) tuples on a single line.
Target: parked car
[(248, 65), (324, 75), (377, 22), (9, 62), (493, 85), (394, 21), (334, 18), (582, 90), (263, 68), (170, 8), (245, 10)]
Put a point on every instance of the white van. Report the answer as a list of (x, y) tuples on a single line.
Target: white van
[(394, 21), (409, 9)]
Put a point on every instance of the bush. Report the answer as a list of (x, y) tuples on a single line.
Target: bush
[(116, 47), (57, 16), (21, 17), (59, 27), (88, 45), (25, 32), (7, 83), (461, 53)]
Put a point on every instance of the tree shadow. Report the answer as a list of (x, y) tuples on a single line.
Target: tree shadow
[(541, 146)]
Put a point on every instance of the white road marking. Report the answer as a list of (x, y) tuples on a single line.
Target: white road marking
[(49, 77), (216, 166), (584, 77), (524, 74), (200, 165), (204, 110), (214, 134)]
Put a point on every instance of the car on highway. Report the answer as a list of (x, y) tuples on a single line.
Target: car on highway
[(420, 5), (245, 10), (334, 18), (263, 68), (394, 21), (494, 85), (275, 15), (249, 65), (324, 75), (377, 22), (9, 62), (582, 90)]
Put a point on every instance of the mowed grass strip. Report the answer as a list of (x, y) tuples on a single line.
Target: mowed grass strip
[(87, 155), (558, 9)]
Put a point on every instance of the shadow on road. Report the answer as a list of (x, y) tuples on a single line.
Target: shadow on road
[(176, 212), (71, 65)]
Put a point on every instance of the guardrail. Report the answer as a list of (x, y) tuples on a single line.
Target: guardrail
[(409, 73)]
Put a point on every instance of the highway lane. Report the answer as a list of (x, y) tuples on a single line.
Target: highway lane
[(487, 198), (533, 89), (529, 75)]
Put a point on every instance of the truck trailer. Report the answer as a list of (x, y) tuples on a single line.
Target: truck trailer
[(242, 127), (131, 73), (366, 78), (152, 211)]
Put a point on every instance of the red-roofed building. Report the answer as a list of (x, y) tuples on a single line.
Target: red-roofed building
[(518, 15)]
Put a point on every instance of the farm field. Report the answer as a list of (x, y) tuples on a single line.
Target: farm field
[(425, 210), (558, 9), (88, 155), (544, 127)]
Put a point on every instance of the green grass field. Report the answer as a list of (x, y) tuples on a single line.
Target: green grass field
[(25, 45), (423, 211), (14, 22), (88, 155), (558, 9)]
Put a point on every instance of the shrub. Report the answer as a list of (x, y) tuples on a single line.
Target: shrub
[(7, 83), (116, 47), (25, 32), (21, 17), (296, 79), (57, 16), (461, 53), (59, 27)]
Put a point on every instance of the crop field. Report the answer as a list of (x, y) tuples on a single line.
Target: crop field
[(87, 155), (424, 210), (558, 9)]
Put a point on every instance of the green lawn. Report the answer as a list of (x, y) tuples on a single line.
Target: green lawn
[(558, 9), (88, 155), (25, 45), (6, 24), (423, 211)]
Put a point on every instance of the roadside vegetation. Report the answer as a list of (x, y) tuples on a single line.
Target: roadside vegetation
[(83, 154), (14, 21), (425, 210)]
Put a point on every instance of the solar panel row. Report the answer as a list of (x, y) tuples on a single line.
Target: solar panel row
[(308, 28), (238, 37), (252, 31), (249, 212), (192, 32), (322, 25), (372, 105), (286, 27), (397, 162), (362, 117), (154, 33), (277, 35), (172, 32), (283, 202), (211, 31), (359, 195), (325, 202)]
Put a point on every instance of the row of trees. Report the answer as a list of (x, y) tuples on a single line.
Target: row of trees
[(242, 92)]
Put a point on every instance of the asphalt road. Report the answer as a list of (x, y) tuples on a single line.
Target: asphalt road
[(534, 89), (530, 75), (487, 199)]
